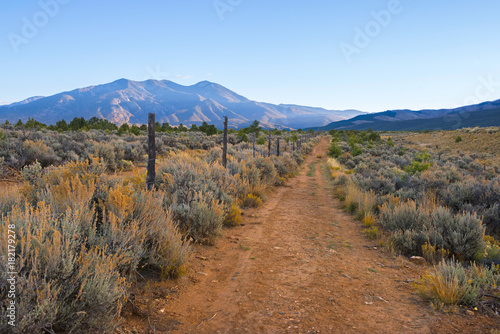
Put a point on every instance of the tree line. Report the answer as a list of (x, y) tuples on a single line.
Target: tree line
[(95, 123)]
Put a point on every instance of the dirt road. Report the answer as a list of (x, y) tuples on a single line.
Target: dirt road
[(299, 264)]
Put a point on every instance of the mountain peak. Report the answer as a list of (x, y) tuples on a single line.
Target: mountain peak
[(128, 101), (205, 83)]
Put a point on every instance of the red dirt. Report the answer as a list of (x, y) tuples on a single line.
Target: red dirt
[(299, 264)]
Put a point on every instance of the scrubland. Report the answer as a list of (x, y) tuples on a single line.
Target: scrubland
[(429, 199), (85, 231)]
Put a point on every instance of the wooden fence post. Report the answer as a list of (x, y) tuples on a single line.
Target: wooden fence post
[(224, 144), (269, 144), (151, 172), (254, 138)]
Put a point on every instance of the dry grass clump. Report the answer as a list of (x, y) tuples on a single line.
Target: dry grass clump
[(233, 217), (359, 201), (449, 283), (251, 201)]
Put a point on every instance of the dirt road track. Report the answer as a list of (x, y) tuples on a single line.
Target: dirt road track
[(298, 265)]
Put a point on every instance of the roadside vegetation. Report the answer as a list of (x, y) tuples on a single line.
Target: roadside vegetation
[(440, 204), (85, 235)]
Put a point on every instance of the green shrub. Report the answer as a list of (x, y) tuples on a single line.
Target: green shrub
[(356, 150), (390, 142), (334, 150)]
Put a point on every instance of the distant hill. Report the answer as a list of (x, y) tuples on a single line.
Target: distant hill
[(484, 114), (126, 101)]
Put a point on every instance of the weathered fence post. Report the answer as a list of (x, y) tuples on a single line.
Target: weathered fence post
[(254, 138), (224, 144), (269, 144), (278, 146), (151, 172)]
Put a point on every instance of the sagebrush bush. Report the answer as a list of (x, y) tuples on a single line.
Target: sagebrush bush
[(402, 217), (450, 283), (198, 194), (75, 265), (460, 234)]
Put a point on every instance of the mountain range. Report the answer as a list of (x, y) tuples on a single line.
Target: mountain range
[(482, 115), (127, 101)]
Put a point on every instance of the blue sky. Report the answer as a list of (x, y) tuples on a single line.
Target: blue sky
[(366, 55)]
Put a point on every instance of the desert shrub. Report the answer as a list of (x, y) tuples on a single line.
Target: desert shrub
[(163, 246), (462, 234), (106, 152), (267, 170), (341, 180), (199, 194), (449, 283), (491, 251), (233, 217), (284, 165), (9, 197), (372, 232), (356, 150), (38, 151), (200, 220), (62, 286), (334, 150), (491, 218), (368, 220), (74, 265), (359, 201), (402, 217), (433, 254), (251, 201), (465, 192), (344, 158)]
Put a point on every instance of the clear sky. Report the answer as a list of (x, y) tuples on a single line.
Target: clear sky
[(367, 55)]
